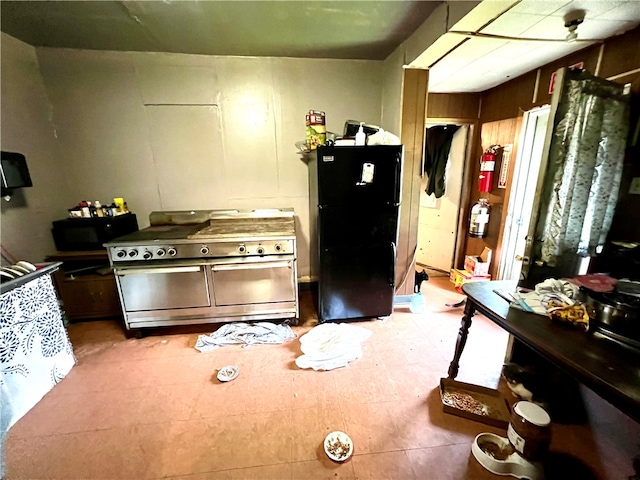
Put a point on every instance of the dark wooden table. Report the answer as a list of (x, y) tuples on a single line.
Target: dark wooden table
[(609, 368)]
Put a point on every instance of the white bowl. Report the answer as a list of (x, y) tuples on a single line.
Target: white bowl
[(228, 373), (513, 464), (338, 446)]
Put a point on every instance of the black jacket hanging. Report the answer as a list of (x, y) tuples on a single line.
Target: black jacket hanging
[(436, 153)]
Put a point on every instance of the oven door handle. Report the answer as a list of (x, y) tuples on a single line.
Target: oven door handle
[(156, 270), (250, 266)]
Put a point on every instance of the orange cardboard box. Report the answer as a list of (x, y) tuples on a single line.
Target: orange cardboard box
[(478, 265)]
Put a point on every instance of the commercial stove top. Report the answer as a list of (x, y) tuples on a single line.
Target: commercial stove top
[(207, 234)]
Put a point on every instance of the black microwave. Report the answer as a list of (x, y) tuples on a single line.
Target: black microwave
[(90, 233)]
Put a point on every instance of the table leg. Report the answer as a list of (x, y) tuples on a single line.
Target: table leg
[(469, 311)]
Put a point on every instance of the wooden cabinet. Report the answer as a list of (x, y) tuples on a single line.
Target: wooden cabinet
[(85, 285)]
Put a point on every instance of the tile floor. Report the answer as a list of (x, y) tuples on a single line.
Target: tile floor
[(153, 408)]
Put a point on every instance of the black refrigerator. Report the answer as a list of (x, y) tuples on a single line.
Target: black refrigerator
[(358, 205)]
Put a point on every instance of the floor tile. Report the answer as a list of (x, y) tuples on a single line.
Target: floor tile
[(280, 471), (387, 465), (123, 453), (323, 469), (314, 389), (449, 462), (226, 443), (310, 427), (363, 385)]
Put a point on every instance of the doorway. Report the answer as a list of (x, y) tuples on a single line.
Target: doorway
[(438, 217), (523, 190)]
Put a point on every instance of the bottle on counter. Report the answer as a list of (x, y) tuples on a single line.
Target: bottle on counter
[(361, 137), (84, 208), (98, 207)]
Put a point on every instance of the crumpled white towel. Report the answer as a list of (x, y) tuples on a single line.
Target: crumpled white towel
[(551, 289), (331, 345), (247, 333)]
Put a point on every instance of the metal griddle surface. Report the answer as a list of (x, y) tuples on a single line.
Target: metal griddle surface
[(246, 228), (161, 232)]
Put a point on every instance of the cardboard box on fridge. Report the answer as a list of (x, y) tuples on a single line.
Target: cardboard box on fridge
[(478, 265)]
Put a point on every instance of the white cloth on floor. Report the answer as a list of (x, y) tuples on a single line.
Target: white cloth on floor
[(331, 345), (247, 333)]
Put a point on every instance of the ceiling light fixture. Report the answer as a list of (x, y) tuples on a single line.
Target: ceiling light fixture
[(571, 22)]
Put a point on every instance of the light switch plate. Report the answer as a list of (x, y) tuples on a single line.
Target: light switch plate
[(635, 186)]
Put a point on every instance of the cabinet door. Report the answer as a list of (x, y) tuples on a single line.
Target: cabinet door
[(90, 296)]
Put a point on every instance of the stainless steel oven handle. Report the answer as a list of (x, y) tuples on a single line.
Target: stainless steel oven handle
[(156, 270), (250, 266)]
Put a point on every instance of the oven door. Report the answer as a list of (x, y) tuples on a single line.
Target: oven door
[(161, 288), (252, 283)]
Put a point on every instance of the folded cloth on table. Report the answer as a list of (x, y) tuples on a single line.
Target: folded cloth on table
[(247, 333)]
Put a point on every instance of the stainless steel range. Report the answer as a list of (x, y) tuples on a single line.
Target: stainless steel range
[(208, 266)]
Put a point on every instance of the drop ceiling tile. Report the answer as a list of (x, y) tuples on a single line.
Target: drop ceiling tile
[(624, 11), (600, 29), (512, 24), (539, 8), (451, 63), (593, 8), (551, 28), (514, 50), (477, 47)]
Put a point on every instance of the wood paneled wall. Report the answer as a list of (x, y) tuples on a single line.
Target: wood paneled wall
[(453, 105), (501, 132), (414, 109)]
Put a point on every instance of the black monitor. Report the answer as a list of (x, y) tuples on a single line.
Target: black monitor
[(14, 171)]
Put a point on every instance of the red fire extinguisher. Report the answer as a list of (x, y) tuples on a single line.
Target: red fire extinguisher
[(487, 166)]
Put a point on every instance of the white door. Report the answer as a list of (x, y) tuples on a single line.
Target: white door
[(523, 190), (438, 217)]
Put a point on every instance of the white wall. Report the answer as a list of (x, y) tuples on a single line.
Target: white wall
[(172, 131), (25, 222)]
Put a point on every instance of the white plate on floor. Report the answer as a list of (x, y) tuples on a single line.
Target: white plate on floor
[(228, 373), (338, 446)]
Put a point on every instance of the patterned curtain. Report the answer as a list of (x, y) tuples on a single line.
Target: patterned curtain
[(587, 159)]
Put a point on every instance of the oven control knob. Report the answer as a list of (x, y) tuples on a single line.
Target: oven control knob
[(204, 250), (242, 249), (147, 255), (260, 250), (160, 252), (278, 247), (133, 253), (171, 251), (121, 254)]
